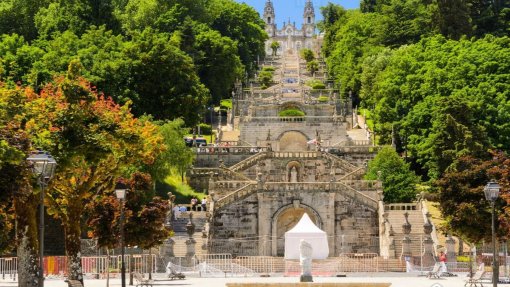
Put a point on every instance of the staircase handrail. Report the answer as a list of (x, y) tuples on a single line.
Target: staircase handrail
[(349, 166), (236, 195), (248, 161), (365, 198), (353, 172), (234, 173)]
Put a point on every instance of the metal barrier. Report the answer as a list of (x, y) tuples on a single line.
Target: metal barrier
[(9, 267)]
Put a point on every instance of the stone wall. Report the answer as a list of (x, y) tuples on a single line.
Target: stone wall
[(258, 217), (331, 133)]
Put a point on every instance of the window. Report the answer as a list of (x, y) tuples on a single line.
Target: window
[(309, 20), (269, 20)]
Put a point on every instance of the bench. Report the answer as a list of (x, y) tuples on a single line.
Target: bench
[(74, 283), (141, 280), (476, 279)]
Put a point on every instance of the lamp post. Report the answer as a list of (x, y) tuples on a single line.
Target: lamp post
[(491, 191), (210, 117), (43, 165), (120, 192)]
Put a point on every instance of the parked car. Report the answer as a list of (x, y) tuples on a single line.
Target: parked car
[(196, 142)]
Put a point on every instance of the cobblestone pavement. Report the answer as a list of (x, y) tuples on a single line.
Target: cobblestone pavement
[(396, 279)]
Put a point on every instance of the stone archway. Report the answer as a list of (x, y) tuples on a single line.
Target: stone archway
[(285, 219), (293, 141)]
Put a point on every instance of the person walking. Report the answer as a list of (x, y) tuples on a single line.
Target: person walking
[(204, 204), (442, 263), (194, 202)]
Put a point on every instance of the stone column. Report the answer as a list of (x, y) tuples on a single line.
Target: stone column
[(329, 223), (428, 244), (450, 249), (406, 242), (264, 227), (190, 243)]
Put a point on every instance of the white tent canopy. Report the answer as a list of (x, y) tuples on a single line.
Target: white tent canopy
[(307, 230)]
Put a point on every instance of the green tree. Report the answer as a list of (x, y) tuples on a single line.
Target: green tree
[(217, 62), (275, 46), (265, 78), (399, 182), (453, 18), (312, 67), (242, 24), (93, 139), (176, 155), (17, 17), (307, 55)]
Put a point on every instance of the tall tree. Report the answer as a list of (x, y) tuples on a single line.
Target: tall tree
[(399, 182), (453, 19), (92, 138), (16, 193), (242, 24), (462, 200)]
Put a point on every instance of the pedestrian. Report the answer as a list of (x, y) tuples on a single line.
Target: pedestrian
[(442, 262), (204, 203), (194, 202)]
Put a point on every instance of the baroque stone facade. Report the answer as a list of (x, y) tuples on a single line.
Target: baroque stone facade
[(289, 36)]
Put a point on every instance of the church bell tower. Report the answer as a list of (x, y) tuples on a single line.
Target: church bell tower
[(269, 18), (309, 19)]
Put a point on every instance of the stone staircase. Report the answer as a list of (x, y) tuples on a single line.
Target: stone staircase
[(396, 218), (180, 234)]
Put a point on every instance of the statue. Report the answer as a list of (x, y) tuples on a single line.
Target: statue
[(293, 175), (305, 260)]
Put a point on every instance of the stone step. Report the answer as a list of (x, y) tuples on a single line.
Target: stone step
[(180, 244)]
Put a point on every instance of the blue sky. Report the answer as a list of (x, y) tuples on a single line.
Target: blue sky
[(294, 8)]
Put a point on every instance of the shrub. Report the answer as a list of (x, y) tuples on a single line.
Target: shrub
[(323, 99), (291, 112), (265, 78), (205, 129), (316, 84)]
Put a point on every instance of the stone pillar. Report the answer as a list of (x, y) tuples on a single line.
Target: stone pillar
[(264, 227), (190, 243), (406, 242), (450, 249), (329, 223), (167, 249), (166, 252), (428, 244)]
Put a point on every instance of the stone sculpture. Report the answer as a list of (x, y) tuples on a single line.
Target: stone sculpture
[(305, 260)]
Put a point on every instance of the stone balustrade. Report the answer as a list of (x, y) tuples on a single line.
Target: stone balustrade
[(295, 154), (249, 161), (229, 149), (235, 196), (365, 185), (308, 119), (402, 206)]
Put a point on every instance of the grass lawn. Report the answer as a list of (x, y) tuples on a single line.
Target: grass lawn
[(182, 191)]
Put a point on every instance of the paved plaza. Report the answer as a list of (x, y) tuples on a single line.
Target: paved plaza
[(396, 280)]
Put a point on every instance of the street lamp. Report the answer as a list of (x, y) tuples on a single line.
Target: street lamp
[(120, 192), (491, 191), (211, 108), (43, 166)]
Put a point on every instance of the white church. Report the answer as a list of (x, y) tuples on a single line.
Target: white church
[(289, 36)]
